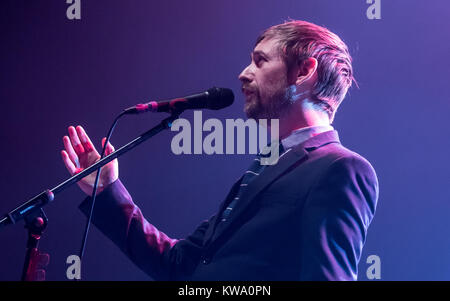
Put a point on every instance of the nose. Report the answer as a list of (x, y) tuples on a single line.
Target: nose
[(246, 75)]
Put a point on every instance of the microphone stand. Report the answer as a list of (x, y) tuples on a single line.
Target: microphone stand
[(34, 216)]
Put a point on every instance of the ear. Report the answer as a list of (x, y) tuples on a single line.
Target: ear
[(306, 70)]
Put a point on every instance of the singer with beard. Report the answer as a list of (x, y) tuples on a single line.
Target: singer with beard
[(304, 218)]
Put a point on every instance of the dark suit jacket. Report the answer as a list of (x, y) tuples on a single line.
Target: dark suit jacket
[(304, 218)]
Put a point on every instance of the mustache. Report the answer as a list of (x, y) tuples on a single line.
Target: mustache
[(248, 89)]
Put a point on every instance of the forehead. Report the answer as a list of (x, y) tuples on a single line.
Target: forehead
[(269, 47)]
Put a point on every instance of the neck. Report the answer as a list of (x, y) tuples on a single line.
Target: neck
[(300, 117)]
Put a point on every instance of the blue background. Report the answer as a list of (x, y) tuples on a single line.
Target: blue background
[(57, 72)]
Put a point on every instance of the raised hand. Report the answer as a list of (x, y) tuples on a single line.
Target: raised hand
[(80, 153)]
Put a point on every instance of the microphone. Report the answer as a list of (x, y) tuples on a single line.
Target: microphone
[(213, 99)]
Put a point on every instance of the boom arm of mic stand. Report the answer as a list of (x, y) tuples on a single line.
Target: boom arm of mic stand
[(47, 196)]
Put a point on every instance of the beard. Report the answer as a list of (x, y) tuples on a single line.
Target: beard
[(274, 106)]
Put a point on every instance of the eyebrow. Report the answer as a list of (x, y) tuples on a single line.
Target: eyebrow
[(259, 52)]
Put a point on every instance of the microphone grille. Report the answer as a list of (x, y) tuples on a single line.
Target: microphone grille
[(219, 98)]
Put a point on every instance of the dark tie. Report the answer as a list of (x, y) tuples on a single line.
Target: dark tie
[(254, 170)]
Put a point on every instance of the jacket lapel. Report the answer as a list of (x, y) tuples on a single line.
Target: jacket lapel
[(216, 218), (271, 173)]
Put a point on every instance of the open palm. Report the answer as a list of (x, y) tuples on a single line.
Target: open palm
[(80, 153)]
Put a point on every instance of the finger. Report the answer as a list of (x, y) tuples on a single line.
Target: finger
[(109, 147), (71, 152), (85, 141), (75, 140), (68, 163)]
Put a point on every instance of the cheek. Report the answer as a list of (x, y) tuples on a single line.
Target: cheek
[(272, 85)]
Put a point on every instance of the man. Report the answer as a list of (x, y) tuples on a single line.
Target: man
[(304, 218)]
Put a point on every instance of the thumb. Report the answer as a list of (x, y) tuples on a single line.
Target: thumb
[(109, 147)]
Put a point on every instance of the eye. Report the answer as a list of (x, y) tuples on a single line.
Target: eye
[(259, 60)]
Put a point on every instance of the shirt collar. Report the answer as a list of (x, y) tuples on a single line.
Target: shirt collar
[(301, 135)]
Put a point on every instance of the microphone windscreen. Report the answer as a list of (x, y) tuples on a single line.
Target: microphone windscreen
[(219, 98)]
